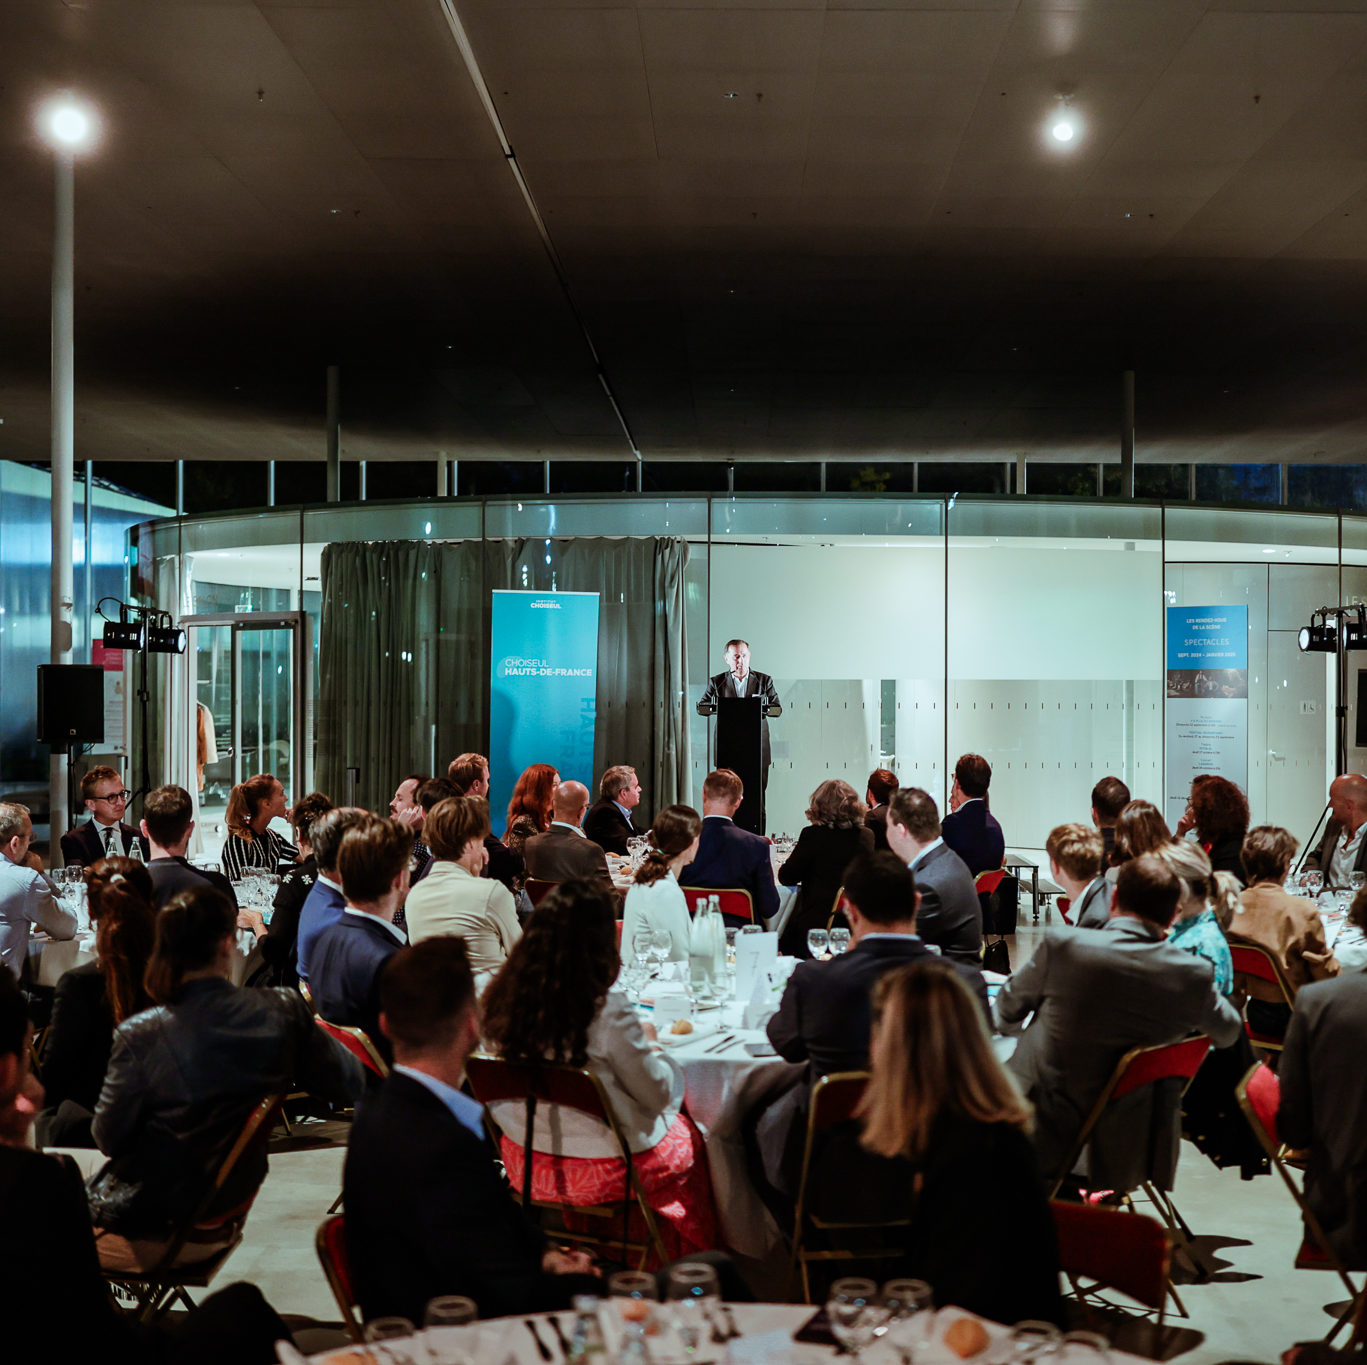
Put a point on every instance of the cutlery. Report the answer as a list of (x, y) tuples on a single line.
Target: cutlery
[(560, 1335), (732, 1330), (542, 1349), (722, 1044)]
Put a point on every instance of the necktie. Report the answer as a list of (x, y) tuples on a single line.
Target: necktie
[(109, 849)]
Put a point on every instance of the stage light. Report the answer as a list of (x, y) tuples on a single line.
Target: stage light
[(125, 635), (166, 640), (67, 124)]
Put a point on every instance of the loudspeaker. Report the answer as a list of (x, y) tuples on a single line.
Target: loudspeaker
[(70, 704), (1360, 738)]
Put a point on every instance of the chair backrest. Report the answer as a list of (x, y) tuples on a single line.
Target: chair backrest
[(307, 994), (538, 890), (494, 1079), (985, 883), (835, 908), (1251, 960), (1260, 1094), (835, 1098), (357, 1042), (256, 1128), (732, 900), (330, 1243), (1144, 1065), (1124, 1251)]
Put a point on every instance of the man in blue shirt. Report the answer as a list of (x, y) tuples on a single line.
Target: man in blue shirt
[(325, 901)]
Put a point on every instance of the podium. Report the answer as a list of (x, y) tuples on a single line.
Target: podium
[(740, 747)]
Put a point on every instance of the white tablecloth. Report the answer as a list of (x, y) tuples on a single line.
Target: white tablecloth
[(49, 958)]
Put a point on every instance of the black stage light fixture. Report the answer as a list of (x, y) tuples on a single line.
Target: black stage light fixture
[(125, 635), (165, 639)]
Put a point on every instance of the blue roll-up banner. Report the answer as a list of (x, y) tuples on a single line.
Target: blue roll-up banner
[(1207, 699), (543, 681)]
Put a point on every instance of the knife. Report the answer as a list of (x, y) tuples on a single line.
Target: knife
[(542, 1349), (554, 1320), (722, 1044)]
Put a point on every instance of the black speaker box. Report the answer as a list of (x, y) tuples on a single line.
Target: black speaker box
[(70, 704)]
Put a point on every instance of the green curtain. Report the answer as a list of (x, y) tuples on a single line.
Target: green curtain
[(404, 654)]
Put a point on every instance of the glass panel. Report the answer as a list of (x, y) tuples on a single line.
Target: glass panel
[(489, 478), (596, 517), (683, 476), (1327, 485), (851, 476), (215, 693), (1169, 481), (1238, 483), (783, 518), (1066, 480), (964, 477), (438, 519), (796, 477), (1223, 534), (593, 476)]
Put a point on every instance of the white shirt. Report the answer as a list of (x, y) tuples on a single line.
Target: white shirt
[(379, 919), (661, 905), (738, 685), (1345, 856), (26, 899)]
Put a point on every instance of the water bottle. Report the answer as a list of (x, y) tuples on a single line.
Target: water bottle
[(702, 951), (135, 850), (634, 1350), (586, 1341), (718, 939)]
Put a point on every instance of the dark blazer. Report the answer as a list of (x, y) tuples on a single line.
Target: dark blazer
[(440, 1220), (950, 915), (1226, 855), (1323, 854), (731, 857), (322, 908), (1093, 907), (171, 876), (560, 855), (280, 943), (504, 865), (973, 833), (818, 863), (76, 1046), (876, 819), (607, 827), (344, 973), (83, 845), (756, 685)]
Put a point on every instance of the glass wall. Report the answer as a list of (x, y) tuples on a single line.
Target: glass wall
[(901, 630)]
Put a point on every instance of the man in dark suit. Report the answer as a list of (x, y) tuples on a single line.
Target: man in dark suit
[(609, 822), (348, 957), (563, 853), (168, 822), (825, 1015), (1109, 797), (1343, 849), (740, 681), (950, 915), (882, 784), (970, 829), (426, 1210), (469, 775), (104, 835), (729, 857)]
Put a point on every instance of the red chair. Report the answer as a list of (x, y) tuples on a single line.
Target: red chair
[(1065, 904), (985, 883), (357, 1042), (1113, 1250), (734, 901), (538, 890), (330, 1243), (1251, 960)]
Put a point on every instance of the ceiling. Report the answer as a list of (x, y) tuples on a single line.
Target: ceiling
[(788, 228)]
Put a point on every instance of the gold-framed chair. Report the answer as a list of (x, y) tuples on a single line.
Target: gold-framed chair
[(330, 1244), (1250, 959)]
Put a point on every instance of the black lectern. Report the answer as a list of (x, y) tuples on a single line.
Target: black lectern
[(740, 726)]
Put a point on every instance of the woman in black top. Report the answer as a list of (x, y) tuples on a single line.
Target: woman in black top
[(836, 836), (92, 1000), (279, 940), (252, 805), (981, 1233)]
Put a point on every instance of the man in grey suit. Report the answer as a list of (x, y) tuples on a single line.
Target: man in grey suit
[(1324, 1107), (950, 915), (1343, 850), (1095, 995), (1075, 854), (563, 853)]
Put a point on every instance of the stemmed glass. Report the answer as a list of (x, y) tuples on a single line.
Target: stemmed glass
[(909, 1305), (854, 1313), (661, 945), (840, 940), (634, 1294), (817, 939), (445, 1316), (692, 1289), (1084, 1348), (1032, 1340), (389, 1333), (1313, 882), (1356, 881)]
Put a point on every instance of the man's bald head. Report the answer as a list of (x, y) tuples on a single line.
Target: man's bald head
[(1348, 799), (570, 801)]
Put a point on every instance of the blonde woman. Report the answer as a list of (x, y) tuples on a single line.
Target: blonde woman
[(1209, 900), (836, 836), (939, 1102)]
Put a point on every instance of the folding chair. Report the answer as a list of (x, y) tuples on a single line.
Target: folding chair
[(308, 995), (835, 909), (537, 890), (1260, 1095), (156, 1289), (492, 1079), (1126, 1251), (357, 1042), (1142, 1066), (1251, 960), (330, 1243), (735, 902), (834, 1100)]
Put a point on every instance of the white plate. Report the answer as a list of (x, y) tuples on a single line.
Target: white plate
[(700, 1030)]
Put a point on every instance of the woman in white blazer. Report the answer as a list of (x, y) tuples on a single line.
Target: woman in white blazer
[(556, 1000), (454, 898)]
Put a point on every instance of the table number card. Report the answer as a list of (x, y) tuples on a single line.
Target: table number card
[(755, 954)]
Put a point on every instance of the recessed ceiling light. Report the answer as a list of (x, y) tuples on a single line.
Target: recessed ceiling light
[(1064, 125)]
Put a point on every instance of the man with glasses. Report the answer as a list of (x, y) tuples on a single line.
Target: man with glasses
[(104, 835)]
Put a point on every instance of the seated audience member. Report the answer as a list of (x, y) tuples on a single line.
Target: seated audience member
[(1109, 797), (454, 897), (469, 776), (836, 836), (279, 942), (609, 822), (1350, 947), (1095, 995), (950, 913), (1139, 829), (655, 900), (1196, 926), (27, 897), (1074, 853), (882, 784), (824, 1016), (571, 941), (563, 853), (1220, 814), (430, 794), (252, 805), (530, 806), (970, 829), (728, 857), (1288, 927), (427, 1210), (347, 957), (94, 999), (324, 903), (104, 835), (1342, 851), (405, 807), (168, 821), (939, 1101), (1324, 1107), (46, 1223), (182, 1079)]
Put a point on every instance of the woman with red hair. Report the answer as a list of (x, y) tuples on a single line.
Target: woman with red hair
[(529, 811)]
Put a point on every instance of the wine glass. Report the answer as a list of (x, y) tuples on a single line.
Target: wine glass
[(854, 1313), (634, 1294), (693, 1291), (1356, 881), (1313, 882), (1033, 1340), (817, 939), (661, 945), (445, 1316), (640, 948), (1084, 1348), (840, 940), (910, 1304), (388, 1333)]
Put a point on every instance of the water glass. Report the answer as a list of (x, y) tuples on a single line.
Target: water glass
[(640, 948), (1084, 1348), (840, 940), (634, 1294), (817, 939), (395, 1337), (752, 928), (1032, 1340), (661, 945), (1356, 881), (854, 1313), (444, 1320), (910, 1305), (1313, 882), (695, 1296)]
